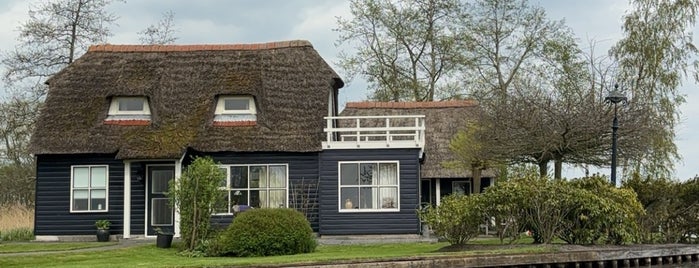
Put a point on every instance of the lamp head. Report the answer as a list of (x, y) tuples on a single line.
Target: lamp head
[(615, 96)]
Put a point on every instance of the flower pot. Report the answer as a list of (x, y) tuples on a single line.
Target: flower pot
[(102, 235), (163, 240)]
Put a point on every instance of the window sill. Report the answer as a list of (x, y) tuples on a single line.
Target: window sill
[(369, 210), (89, 211), (133, 122), (235, 123)]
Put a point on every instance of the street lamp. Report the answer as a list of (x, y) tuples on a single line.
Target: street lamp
[(614, 97)]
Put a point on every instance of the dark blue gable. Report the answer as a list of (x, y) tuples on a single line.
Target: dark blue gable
[(52, 211), (404, 221)]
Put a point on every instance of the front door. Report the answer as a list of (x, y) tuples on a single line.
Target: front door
[(160, 214)]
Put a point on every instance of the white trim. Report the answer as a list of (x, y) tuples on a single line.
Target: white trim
[(221, 107), (106, 189), (127, 200), (228, 182), (340, 204), (114, 106), (178, 174), (438, 192)]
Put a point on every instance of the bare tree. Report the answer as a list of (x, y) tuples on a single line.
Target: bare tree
[(161, 33), (406, 49)]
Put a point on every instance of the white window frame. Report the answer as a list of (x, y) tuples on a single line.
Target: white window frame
[(89, 188), (341, 203), (229, 189), (221, 105), (114, 106)]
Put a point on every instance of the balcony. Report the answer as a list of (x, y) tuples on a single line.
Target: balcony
[(373, 132)]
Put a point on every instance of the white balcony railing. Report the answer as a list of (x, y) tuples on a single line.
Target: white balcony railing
[(371, 132)]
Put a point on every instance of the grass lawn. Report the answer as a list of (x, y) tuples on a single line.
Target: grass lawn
[(151, 256)]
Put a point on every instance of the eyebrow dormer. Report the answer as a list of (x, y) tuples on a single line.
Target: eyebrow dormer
[(235, 110), (131, 110)]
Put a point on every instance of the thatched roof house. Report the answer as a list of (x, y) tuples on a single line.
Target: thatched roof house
[(442, 121), (289, 81)]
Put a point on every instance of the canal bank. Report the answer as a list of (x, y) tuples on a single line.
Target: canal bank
[(565, 256)]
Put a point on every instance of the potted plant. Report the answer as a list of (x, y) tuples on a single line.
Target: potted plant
[(102, 230), (164, 238)]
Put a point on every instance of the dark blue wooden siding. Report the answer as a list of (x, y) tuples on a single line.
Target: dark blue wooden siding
[(405, 221), (303, 169), (52, 211)]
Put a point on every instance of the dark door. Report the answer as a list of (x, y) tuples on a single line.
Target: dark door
[(160, 213)]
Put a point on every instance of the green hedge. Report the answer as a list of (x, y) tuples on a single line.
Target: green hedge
[(266, 232)]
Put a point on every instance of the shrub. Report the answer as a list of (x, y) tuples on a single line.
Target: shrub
[(19, 234), (456, 219), (266, 232), (194, 195)]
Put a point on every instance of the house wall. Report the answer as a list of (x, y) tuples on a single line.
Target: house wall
[(52, 211), (405, 221), (303, 177)]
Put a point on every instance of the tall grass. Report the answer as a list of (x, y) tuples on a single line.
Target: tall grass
[(16, 223)]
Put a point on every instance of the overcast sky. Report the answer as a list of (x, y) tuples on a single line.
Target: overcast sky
[(251, 21)]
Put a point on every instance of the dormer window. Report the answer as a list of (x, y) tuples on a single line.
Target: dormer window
[(235, 111), (133, 110)]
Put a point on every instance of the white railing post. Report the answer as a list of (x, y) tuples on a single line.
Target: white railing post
[(329, 126), (388, 132), (358, 131)]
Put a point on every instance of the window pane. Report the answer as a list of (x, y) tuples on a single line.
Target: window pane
[(80, 200), (258, 176), (239, 177), (221, 205), (159, 182), (277, 198), (98, 177), (222, 183), (255, 200), (81, 177), (239, 197), (131, 104), (277, 176), (388, 174), (366, 198), (98, 200), (389, 197), (349, 197), (161, 213), (236, 104), (367, 173), (349, 174)]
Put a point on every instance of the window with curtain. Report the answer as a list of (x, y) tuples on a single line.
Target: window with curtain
[(256, 186), (369, 186), (89, 187)]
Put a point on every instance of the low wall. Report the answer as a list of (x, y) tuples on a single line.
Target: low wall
[(617, 256)]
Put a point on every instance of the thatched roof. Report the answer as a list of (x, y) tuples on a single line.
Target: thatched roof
[(289, 81), (442, 120)]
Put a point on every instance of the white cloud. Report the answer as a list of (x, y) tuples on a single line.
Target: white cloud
[(11, 18)]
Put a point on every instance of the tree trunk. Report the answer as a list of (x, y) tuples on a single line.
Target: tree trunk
[(543, 168), (476, 175), (557, 168)]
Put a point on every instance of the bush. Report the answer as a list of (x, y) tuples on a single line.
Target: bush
[(194, 195), (456, 219), (266, 232), (19, 234)]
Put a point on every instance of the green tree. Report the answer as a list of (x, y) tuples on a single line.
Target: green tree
[(195, 195), (406, 49), (653, 58)]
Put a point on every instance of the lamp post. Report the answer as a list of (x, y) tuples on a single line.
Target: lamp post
[(614, 97)]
